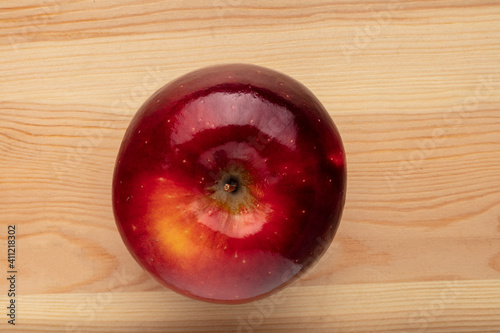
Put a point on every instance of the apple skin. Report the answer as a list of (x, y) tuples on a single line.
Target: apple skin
[(240, 123)]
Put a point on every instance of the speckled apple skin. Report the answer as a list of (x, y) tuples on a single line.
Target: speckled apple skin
[(276, 136)]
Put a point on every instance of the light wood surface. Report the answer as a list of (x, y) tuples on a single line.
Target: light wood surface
[(413, 86)]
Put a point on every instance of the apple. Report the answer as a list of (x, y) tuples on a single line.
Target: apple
[(229, 183)]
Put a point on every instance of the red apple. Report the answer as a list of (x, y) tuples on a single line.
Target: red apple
[(230, 181)]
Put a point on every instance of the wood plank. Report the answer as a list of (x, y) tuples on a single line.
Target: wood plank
[(445, 306)]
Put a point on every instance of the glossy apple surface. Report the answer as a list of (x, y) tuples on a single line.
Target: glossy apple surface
[(229, 183)]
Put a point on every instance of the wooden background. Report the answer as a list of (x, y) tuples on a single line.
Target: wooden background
[(413, 86)]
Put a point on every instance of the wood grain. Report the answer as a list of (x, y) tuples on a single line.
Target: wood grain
[(452, 306), (413, 86)]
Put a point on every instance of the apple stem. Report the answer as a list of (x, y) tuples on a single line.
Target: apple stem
[(231, 186)]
